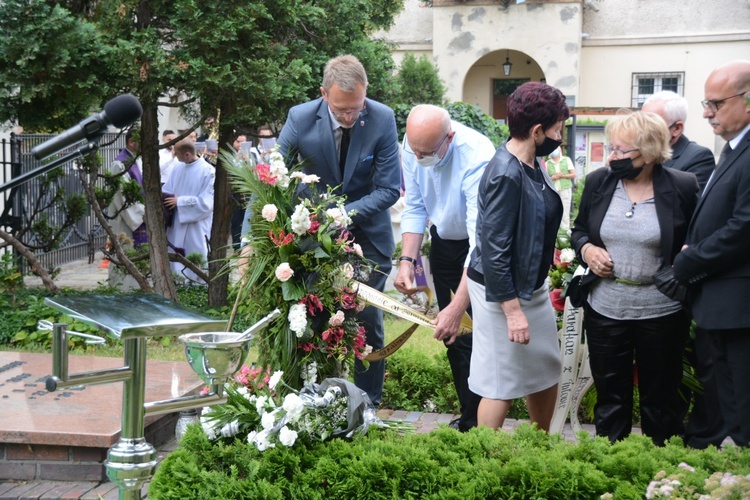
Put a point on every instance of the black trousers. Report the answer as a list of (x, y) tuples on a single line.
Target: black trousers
[(656, 346), (447, 259), (705, 426), (730, 352)]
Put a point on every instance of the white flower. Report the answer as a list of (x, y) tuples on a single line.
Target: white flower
[(310, 179), (251, 436), (268, 419), (347, 270), (269, 212), (208, 425), (310, 373), (287, 436), (338, 216), (261, 441), (567, 255), (357, 249), (298, 319), (275, 378), (293, 406), (260, 403), (685, 466), (301, 220)]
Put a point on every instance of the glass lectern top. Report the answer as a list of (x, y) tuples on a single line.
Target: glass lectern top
[(135, 315)]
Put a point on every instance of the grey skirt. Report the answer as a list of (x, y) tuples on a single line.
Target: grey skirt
[(501, 369)]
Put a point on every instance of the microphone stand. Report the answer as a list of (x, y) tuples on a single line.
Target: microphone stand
[(84, 150)]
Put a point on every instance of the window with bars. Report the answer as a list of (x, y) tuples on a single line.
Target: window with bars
[(646, 84)]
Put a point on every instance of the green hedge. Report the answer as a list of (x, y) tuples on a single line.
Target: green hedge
[(444, 464)]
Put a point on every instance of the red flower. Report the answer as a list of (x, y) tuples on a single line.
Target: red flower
[(313, 303), (348, 301), (557, 302), (263, 171), (282, 238), (314, 224)]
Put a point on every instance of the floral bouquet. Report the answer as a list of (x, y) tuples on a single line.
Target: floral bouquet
[(256, 411), (297, 248)]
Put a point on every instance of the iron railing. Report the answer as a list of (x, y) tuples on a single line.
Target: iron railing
[(17, 205)]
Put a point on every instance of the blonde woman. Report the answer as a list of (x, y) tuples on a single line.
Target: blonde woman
[(631, 223)]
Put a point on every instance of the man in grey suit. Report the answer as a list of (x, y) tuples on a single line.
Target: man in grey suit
[(714, 261), (686, 154), (351, 142)]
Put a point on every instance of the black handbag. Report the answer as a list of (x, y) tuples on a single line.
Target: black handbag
[(578, 288), (667, 284)]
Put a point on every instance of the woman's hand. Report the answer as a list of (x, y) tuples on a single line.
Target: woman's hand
[(518, 327), (599, 261)]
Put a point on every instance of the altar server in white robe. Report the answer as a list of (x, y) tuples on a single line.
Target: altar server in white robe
[(190, 193)]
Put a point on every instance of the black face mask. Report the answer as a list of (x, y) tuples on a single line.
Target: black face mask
[(547, 146), (624, 169)]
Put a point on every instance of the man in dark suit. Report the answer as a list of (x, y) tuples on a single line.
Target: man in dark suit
[(351, 142), (686, 154), (714, 262)]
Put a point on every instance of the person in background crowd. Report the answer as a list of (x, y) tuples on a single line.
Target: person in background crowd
[(442, 165), (131, 219), (686, 155), (238, 212), (631, 223), (190, 193), (714, 262), (166, 156), (561, 171), (516, 352)]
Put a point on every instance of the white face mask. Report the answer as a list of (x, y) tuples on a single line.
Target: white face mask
[(428, 161)]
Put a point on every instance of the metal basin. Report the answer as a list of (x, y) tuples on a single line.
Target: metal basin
[(215, 356)]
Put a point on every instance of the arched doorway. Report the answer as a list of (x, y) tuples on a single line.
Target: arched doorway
[(494, 76)]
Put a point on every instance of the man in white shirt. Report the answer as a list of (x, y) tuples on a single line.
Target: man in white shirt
[(167, 161), (443, 163)]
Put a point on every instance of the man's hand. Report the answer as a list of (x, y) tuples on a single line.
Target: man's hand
[(404, 281), (170, 202)]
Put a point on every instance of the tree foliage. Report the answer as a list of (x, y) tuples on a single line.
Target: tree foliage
[(246, 63)]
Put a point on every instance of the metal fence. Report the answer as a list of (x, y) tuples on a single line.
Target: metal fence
[(17, 205)]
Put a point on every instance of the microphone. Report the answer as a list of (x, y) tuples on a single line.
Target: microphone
[(121, 111)]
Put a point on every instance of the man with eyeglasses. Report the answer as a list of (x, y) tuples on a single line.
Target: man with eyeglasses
[(443, 163), (714, 262), (351, 143), (686, 154)]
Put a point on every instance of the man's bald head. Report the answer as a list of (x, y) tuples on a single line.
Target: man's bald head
[(426, 127)]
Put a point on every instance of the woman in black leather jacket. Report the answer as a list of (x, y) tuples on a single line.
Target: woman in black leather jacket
[(516, 352)]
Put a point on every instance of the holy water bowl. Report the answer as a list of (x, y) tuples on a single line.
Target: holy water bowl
[(215, 356)]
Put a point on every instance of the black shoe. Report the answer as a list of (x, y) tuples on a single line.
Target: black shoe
[(454, 424)]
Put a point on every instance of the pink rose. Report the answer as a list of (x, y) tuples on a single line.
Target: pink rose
[(284, 271), (269, 212), (337, 319)]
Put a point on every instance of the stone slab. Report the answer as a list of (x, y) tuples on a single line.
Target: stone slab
[(89, 416)]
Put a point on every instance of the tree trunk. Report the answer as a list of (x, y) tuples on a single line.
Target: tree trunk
[(223, 208), (36, 266), (161, 274)]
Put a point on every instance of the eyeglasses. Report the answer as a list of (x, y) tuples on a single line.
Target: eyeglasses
[(341, 114), (407, 148), (619, 153), (715, 106), (674, 124)]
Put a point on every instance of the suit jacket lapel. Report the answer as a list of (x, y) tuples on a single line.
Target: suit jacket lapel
[(327, 142), (722, 170)]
